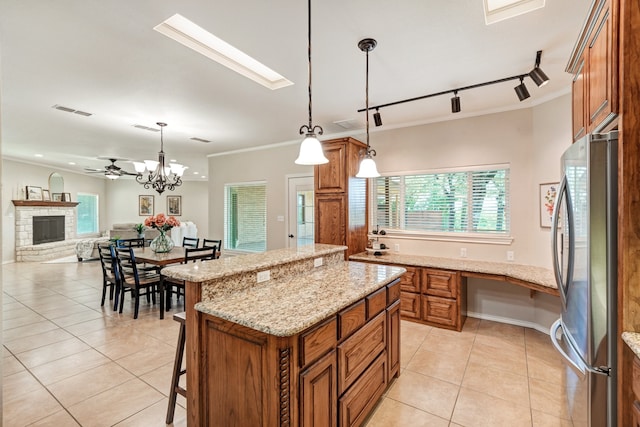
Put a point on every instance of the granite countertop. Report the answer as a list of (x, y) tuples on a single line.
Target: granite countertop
[(537, 275), (289, 306), (204, 271), (633, 341)]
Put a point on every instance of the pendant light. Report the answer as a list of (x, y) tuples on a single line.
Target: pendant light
[(367, 166), (310, 149)]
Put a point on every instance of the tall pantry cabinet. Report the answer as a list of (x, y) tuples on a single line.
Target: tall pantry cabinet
[(341, 212)]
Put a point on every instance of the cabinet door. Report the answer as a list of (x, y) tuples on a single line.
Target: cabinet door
[(361, 398), (393, 339), (318, 393), (441, 311), (332, 177), (600, 47), (635, 413), (409, 305), (440, 283), (330, 219), (410, 281), (578, 101)]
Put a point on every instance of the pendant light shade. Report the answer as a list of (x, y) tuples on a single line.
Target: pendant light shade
[(521, 90), (368, 167), (310, 149), (539, 77)]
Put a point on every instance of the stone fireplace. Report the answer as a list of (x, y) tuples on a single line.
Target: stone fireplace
[(26, 211)]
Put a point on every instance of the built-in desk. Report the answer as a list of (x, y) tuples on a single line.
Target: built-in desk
[(434, 289)]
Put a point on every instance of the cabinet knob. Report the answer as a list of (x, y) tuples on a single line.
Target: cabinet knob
[(291, 236)]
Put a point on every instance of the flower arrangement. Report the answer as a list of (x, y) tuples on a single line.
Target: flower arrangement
[(162, 222)]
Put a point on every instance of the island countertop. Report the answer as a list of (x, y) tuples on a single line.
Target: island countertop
[(206, 271), (287, 306)]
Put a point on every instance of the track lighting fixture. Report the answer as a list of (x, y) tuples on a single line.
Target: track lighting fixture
[(367, 165), (377, 119), (521, 90), (537, 75), (455, 102)]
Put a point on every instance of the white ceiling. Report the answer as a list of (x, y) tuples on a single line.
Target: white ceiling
[(104, 57)]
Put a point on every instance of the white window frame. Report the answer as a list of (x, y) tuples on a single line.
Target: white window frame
[(227, 239), (93, 233), (471, 237)]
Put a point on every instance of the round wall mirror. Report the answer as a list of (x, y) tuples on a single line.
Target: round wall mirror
[(56, 183)]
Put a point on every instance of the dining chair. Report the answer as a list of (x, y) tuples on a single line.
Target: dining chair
[(190, 242), (110, 277), (207, 243), (176, 286), (130, 243), (134, 281), (177, 369)]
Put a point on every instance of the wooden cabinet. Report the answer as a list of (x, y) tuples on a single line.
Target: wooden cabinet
[(331, 374), (635, 387), (593, 65), (341, 198)]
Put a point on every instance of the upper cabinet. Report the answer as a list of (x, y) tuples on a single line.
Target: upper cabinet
[(593, 65)]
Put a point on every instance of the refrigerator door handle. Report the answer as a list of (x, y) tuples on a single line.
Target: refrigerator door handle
[(562, 282), (582, 368)]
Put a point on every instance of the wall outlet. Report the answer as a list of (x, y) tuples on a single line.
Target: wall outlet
[(263, 276), (510, 256), (463, 252), (317, 262), (396, 247)]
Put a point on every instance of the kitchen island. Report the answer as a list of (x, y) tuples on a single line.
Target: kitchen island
[(289, 337)]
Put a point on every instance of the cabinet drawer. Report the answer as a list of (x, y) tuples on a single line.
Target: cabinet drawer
[(393, 292), (376, 302), (442, 311), (636, 377), (360, 399), (440, 283), (410, 305), (410, 281), (317, 341), (351, 319), (358, 351)]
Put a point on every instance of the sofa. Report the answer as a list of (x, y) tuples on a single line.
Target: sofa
[(126, 231), (88, 248)]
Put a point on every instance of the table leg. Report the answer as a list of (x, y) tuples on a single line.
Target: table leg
[(161, 297)]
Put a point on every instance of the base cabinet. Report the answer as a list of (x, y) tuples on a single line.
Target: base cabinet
[(331, 374)]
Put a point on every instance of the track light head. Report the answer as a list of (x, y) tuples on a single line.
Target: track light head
[(377, 119), (455, 103), (521, 90), (539, 77)]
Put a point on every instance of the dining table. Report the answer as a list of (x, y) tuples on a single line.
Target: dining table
[(160, 259)]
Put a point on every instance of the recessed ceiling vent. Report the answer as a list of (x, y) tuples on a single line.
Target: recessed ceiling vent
[(348, 124), (146, 128), (71, 110), (195, 138)]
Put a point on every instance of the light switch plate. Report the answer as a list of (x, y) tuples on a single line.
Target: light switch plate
[(263, 276), (317, 262)]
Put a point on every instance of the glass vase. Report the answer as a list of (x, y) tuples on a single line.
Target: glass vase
[(162, 243)]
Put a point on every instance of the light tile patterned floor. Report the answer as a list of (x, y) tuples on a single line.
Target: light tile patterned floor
[(69, 362)]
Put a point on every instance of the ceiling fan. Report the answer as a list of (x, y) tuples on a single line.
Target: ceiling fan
[(111, 171)]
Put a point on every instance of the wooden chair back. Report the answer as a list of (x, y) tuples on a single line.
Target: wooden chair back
[(202, 254), (207, 243), (190, 242), (130, 243)]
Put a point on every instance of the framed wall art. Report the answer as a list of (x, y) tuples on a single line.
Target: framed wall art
[(548, 193), (145, 205), (56, 197), (46, 195), (66, 197), (34, 193), (174, 205)]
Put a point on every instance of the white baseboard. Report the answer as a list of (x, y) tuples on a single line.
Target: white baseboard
[(510, 321)]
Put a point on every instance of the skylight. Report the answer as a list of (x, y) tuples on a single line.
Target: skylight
[(498, 10), (197, 38)]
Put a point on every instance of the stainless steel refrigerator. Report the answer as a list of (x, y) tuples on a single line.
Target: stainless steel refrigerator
[(584, 239)]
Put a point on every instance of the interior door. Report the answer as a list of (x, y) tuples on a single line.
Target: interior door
[(301, 221)]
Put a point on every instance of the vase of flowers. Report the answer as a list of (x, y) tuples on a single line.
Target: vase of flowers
[(162, 223)]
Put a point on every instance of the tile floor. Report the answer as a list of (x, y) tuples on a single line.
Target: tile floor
[(69, 362)]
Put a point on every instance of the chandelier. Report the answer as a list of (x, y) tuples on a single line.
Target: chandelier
[(158, 176)]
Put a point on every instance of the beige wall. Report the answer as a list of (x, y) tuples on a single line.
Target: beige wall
[(118, 199)]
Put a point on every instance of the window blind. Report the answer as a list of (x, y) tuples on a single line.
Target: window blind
[(245, 221), (470, 201), (87, 222)]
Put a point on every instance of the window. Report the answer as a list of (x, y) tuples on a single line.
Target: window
[(87, 214), (464, 201), (245, 218)]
